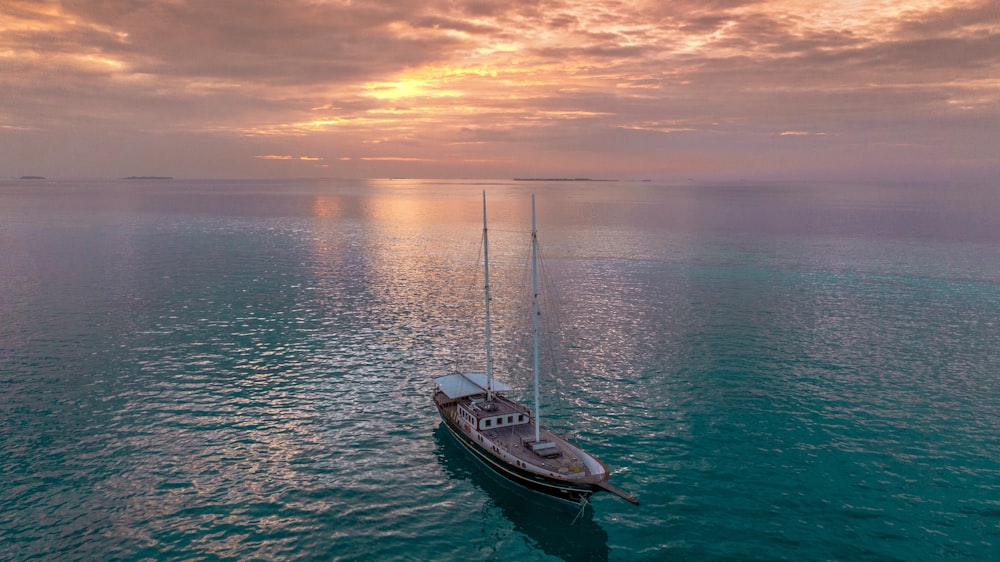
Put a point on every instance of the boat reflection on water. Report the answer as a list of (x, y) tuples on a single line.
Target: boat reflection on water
[(561, 530)]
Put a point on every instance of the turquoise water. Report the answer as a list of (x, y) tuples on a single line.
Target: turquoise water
[(241, 370)]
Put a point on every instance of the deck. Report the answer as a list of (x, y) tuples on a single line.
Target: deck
[(561, 458), (514, 443)]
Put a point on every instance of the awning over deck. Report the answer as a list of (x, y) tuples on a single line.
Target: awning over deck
[(467, 384)]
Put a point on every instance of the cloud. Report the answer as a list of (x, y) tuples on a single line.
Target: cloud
[(278, 43), (288, 157), (524, 82)]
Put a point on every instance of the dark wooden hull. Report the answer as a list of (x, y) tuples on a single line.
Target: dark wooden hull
[(571, 492)]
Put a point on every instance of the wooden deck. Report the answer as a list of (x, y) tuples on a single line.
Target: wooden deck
[(516, 444), (562, 458)]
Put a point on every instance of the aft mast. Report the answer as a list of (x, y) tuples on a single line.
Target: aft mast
[(486, 275), (534, 299)]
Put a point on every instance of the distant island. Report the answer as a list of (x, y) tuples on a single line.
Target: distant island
[(32, 177), (149, 178), (558, 179)]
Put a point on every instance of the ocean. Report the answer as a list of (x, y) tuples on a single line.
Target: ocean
[(236, 370)]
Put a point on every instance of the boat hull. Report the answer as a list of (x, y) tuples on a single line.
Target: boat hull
[(574, 493)]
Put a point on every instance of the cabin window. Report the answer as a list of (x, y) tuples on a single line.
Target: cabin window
[(510, 419), (488, 422), (520, 417)]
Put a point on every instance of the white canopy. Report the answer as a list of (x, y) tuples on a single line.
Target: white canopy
[(467, 384)]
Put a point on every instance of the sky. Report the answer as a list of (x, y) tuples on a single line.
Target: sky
[(867, 90)]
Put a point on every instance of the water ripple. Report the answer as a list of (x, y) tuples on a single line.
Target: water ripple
[(221, 380)]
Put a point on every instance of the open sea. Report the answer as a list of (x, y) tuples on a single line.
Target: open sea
[(241, 370)]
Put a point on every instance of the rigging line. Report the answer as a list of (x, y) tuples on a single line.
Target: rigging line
[(552, 298), (555, 332), (549, 316), (548, 282), (518, 333), (467, 297)]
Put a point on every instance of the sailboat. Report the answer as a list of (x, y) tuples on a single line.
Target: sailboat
[(507, 436)]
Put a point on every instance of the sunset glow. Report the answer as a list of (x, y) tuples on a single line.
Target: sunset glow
[(499, 89)]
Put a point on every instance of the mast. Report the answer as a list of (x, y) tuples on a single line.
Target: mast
[(486, 270), (534, 290)]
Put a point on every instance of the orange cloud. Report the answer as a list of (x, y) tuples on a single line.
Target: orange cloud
[(542, 85), (288, 157)]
